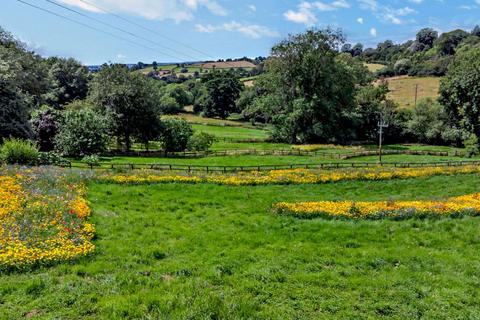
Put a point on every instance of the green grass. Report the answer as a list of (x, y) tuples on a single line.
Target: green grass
[(373, 67), (233, 133), (250, 160), (402, 89), (215, 252)]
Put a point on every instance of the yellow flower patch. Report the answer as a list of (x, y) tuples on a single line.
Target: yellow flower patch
[(468, 204), (294, 176), (41, 223)]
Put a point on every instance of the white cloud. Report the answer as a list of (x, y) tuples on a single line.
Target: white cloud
[(252, 31), (305, 12), (177, 10), (386, 13), (416, 1), (121, 56), (252, 7), (373, 32), (360, 20)]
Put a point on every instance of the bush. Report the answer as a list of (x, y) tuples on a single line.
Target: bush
[(92, 160), (402, 66), (472, 146), (82, 132), (200, 141), (176, 134), (169, 105), (16, 151), (49, 159)]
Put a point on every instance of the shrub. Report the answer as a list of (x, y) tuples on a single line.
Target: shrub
[(472, 146), (49, 158), (168, 105), (200, 141), (82, 132), (175, 134), (402, 66), (92, 160), (16, 151)]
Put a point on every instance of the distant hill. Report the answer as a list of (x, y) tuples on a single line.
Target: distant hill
[(228, 65)]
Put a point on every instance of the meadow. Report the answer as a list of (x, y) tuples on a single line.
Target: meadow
[(222, 253), (402, 89)]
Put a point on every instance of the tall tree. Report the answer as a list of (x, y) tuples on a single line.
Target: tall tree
[(132, 101), (222, 89), (316, 93), (460, 91), (69, 81)]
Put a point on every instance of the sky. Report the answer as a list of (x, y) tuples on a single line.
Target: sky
[(129, 31)]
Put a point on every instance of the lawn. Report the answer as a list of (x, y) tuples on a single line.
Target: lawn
[(232, 133), (403, 89), (214, 252)]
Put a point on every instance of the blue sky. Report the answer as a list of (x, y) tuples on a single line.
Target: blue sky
[(219, 28)]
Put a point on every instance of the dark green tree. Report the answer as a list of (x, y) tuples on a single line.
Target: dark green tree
[(131, 100), (69, 81), (460, 91), (427, 37), (176, 134), (314, 92), (222, 89)]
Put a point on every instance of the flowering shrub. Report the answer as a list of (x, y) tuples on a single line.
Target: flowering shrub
[(42, 218), (464, 205), (296, 176)]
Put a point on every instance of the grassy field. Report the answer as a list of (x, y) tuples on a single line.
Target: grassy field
[(212, 252), (234, 133), (373, 67), (403, 89)]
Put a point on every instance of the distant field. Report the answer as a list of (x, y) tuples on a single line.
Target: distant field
[(403, 89), (373, 67), (228, 65), (232, 132)]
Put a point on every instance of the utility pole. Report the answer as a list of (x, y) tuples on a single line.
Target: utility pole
[(416, 94), (381, 125)]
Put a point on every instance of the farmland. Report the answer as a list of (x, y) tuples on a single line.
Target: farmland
[(402, 89)]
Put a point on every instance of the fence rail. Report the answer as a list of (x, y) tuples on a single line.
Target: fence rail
[(278, 152), (318, 166)]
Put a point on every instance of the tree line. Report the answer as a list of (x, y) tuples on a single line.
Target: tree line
[(314, 89)]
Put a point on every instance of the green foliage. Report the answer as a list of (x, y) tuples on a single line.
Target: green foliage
[(313, 91), (179, 93), (222, 89), (69, 81), (429, 123), (176, 134), (460, 91), (82, 132), (449, 41), (50, 158), (169, 105), (16, 151), (427, 37), (472, 146), (92, 160), (132, 102), (200, 141), (402, 66)]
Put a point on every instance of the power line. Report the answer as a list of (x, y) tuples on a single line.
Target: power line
[(93, 28), (145, 28), (118, 29), (150, 30)]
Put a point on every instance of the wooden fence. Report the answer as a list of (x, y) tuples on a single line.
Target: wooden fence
[(317, 166), (279, 152)]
